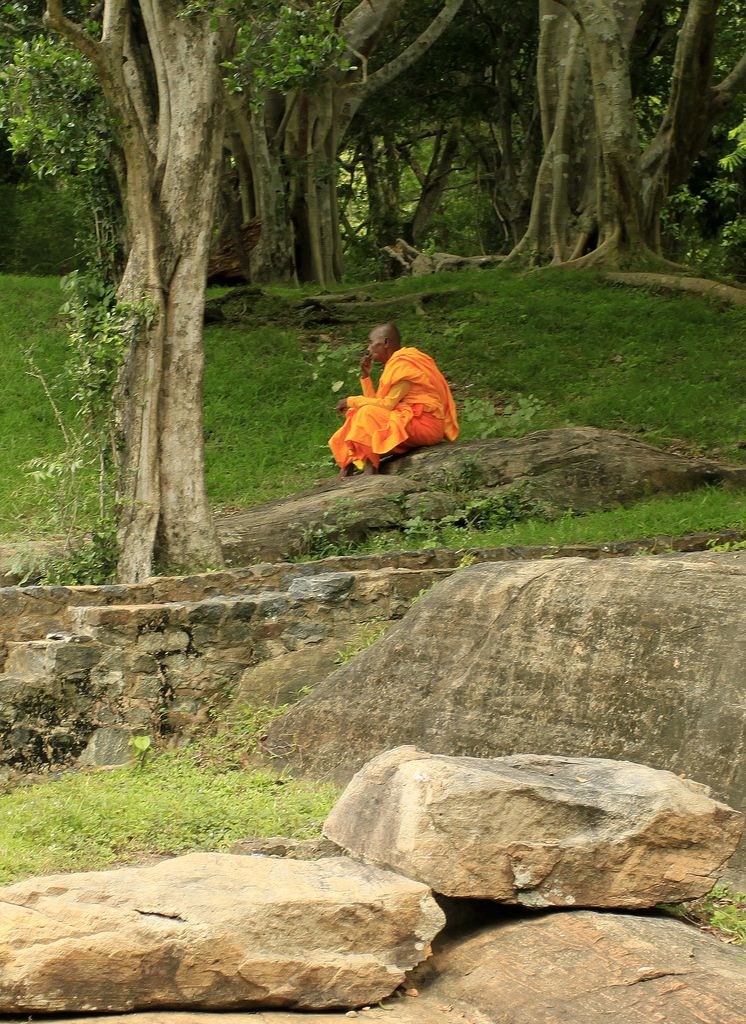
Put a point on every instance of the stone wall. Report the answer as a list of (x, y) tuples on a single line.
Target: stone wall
[(115, 669)]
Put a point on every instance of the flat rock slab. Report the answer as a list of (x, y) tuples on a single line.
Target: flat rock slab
[(212, 931), (537, 830), (578, 468), (640, 659), (577, 967), (585, 967)]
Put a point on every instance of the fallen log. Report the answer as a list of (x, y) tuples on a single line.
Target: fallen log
[(409, 260)]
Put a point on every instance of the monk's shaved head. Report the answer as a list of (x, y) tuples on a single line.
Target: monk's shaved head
[(388, 333)]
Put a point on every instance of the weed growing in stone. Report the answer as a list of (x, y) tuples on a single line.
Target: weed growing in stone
[(366, 637), (722, 911)]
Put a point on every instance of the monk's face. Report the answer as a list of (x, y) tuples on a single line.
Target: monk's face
[(379, 347)]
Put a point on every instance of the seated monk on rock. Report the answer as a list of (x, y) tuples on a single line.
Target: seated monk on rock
[(412, 406)]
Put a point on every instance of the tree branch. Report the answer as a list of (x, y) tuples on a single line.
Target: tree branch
[(364, 25), (55, 18), (408, 57), (730, 86)]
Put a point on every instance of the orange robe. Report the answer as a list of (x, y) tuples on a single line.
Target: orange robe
[(413, 406)]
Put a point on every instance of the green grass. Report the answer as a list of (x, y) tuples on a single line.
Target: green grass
[(205, 796), (89, 821), (668, 369)]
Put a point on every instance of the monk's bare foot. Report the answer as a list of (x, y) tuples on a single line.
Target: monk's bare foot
[(369, 469), (346, 472)]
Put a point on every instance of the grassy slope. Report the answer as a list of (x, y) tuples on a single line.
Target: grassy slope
[(669, 369), (556, 336)]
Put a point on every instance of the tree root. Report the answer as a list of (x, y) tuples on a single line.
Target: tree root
[(697, 285)]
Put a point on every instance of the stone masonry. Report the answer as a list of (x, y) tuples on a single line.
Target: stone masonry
[(122, 662)]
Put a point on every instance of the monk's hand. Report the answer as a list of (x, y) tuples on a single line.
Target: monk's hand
[(342, 406), (365, 364)]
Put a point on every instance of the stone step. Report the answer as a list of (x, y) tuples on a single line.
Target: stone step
[(30, 613), (160, 668)]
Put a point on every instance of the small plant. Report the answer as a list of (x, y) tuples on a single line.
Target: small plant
[(721, 911), (236, 736), (328, 538), (728, 545), (141, 748), (457, 479), (367, 636), (87, 561), (480, 417)]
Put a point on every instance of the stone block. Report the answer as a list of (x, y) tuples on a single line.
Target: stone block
[(212, 931), (538, 830)]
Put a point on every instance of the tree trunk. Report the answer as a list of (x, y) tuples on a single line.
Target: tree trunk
[(265, 187), (565, 195), (303, 136), (161, 75), (434, 183), (693, 107), (381, 168)]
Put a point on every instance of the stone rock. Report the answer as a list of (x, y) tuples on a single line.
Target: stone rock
[(537, 830), (640, 659), (108, 746), (578, 967), (212, 931), (586, 967), (578, 468), (281, 846)]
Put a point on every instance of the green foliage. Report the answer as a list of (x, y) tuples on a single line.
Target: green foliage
[(737, 156), (55, 118), (733, 545), (38, 225), (102, 331), (479, 417), (87, 560), (722, 911), (53, 110), (237, 732), (280, 44)]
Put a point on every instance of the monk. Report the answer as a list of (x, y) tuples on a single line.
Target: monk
[(412, 406)]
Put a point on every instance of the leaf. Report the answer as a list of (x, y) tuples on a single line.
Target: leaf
[(337, 385)]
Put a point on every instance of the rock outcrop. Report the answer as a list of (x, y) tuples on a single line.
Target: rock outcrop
[(537, 830), (212, 931), (580, 967), (634, 658), (579, 468)]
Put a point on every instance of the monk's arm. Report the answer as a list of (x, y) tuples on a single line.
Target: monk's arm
[(392, 399), (369, 390)]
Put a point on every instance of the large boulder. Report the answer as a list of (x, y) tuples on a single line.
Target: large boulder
[(579, 468), (640, 659), (537, 830), (212, 931), (578, 967)]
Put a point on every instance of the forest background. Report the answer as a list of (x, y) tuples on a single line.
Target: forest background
[(310, 136)]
